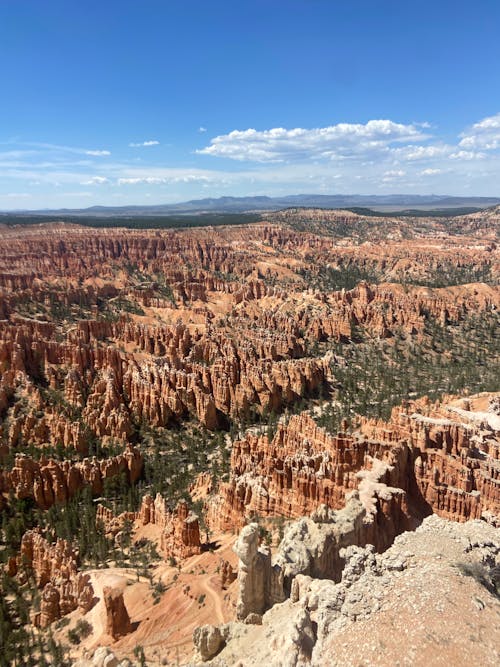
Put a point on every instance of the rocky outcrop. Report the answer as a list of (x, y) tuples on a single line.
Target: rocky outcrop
[(227, 574), (113, 524), (417, 582), (254, 572), (117, 618), (442, 463), (54, 567), (304, 470), (373, 515), (245, 308), (48, 481), (102, 657), (455, 448), (180, 530), (208, 640)]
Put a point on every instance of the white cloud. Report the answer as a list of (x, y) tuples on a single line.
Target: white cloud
[(431, 172), (202, 129), (393, 174), (157, 180), (467, 155), (483, 135), (95, 180), (379, 156), (97, 153), (422, 152), (334, 142), (150, 142), (152, 180)]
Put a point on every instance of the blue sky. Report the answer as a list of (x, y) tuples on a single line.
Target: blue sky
[(107, 102)]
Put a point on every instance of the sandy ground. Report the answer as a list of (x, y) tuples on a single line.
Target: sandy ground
[(194, 597)]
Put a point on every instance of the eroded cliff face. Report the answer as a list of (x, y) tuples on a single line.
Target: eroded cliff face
[(117, 618), (48, 481), (180, 530), (106, 334), (456, 446), (442, 456), (439, 458), (104, 330), (55, 570), (377, 600), (373, 514)]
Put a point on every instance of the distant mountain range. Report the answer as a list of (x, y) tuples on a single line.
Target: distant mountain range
[(384, 203)]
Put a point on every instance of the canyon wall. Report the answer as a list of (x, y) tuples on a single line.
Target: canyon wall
[(54, 567), (48, 481), (442, 456)]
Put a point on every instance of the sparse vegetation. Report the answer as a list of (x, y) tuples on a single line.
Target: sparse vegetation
[(488, 577), (375, 375)]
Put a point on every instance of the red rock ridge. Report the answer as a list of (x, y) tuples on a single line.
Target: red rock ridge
[(48, 481), (444, 465), (54, 566), (180, 530)]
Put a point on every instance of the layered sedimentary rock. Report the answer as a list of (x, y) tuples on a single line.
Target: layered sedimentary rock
[(362, 616), (180, 530), (48, 481), (456, 448), (106, 333), (439, 457), (113, 524), (444, 458), (106, 329), (254, 573), (117, 618), (54, 566), (374, 514)]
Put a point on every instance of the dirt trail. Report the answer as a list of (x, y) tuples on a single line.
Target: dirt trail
[(215, 596)]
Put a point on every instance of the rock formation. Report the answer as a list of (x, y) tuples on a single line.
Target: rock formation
[(410, 588), (181, 358), (254, 572), (102, 657), (374, 515), (54, 566), (106, 334), (48, 481), (180, 530), (117, 618), (227, 574), (441, 455)]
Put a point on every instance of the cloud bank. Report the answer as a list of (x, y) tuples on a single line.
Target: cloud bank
[(379, 156), (150, 142), (333, 142)]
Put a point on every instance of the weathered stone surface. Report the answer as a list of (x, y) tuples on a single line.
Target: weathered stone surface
[(442, 456), (55, 569), (254, 573), (208, 641), (117, 618), (380, 598), (218, 282), (103, 330), (48, 481), (180, 530), (227, 574)]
